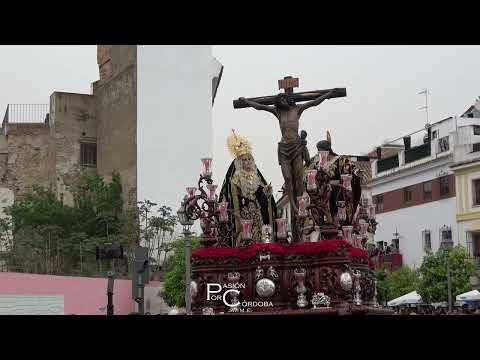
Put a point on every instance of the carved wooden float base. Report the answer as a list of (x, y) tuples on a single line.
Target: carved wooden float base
[(268, 278)]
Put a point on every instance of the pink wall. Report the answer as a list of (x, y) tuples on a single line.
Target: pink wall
[(82, 296)]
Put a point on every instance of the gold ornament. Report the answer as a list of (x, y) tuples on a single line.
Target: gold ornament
[(238, 145)]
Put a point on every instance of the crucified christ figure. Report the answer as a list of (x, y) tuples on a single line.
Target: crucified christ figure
[(291, 146)]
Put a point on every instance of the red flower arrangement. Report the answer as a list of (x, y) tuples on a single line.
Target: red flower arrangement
[(321, 247)]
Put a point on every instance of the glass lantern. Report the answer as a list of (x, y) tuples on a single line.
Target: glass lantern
[(302, 206), (348, 232), (347, 181), (363, 227), (246, 229), (211, 192), (312, 180), (323, 159), (207, 167), (222, 211), (281, 228), (191, 192)]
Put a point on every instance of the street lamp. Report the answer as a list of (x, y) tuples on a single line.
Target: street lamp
[(186, 222), (447, 246), (109, 252)]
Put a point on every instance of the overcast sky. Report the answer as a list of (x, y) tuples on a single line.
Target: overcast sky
[(30, 74), (382, 94), (382, 84)]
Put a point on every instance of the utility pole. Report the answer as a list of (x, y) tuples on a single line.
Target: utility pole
[(111, 279), (186, 222), (188, 274), (425, 91), (449, 284), (140, 277)]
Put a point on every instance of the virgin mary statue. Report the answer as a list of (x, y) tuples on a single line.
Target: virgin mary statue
[(248, 195)]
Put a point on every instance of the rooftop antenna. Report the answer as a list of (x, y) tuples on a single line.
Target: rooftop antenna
[(426, 92)]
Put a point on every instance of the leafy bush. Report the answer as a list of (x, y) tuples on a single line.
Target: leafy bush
[(44, 235), (433, 285), (174, 291), (391, 285)]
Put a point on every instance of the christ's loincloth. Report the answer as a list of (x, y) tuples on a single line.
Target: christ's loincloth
[(288, 151)]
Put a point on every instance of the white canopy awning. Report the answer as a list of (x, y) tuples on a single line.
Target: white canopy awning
[(410, 298), (473, 295)]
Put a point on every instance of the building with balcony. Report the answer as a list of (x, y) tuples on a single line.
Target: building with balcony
[(417, 189), (466, 167), (51, 145)]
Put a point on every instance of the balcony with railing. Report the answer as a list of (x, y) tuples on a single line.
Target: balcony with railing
[(25, 115), (415, 149), (418, 152), (388, 163), (391, 262)]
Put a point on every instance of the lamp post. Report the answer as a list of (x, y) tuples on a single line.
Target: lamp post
[(447, 246), (186, 222), (449, 284), (111, 279)]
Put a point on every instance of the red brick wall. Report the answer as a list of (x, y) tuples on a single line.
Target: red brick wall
[(394, 200)]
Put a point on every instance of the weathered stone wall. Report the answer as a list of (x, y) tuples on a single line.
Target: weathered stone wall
[(49, 154), (116, 102), (6, 194), (113, 59), (26, 161), (3, 157), (103, 61), (73, 119)]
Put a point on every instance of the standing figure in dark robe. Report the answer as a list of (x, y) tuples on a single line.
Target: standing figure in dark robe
[(338, 165), (248, 195)]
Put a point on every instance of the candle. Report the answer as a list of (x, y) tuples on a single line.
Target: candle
[(363, 227), (307, 199), (341, 212), (191, 192), (222, 211), (358, 241), (371, 212), (281, 228), (302, 206), (204, 222), (211, 191), (323, 159), (246, 229), (314, 236), (347, 232), (311, 180), (266, 232), (347, 181), (207, 167)]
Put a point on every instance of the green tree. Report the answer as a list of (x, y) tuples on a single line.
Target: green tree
[(382, 285), (391, 285), (174, 291), (433, 274), (157, 231), (44, 235)]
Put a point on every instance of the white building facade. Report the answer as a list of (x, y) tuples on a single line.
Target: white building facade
[(416, 190), (176, 86)]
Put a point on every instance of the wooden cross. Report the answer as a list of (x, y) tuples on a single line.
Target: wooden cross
[(288, 83)]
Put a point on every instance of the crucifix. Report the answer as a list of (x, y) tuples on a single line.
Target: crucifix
[(286, 110)]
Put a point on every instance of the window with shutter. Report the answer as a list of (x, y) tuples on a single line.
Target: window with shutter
[(88, 154)]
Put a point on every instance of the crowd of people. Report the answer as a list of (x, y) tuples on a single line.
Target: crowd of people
[(431, 310), (382, 248)]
